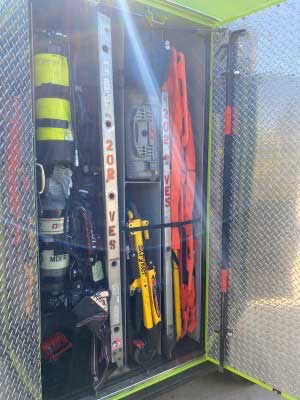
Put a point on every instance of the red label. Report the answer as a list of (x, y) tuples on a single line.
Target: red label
[(224, 280), (228, 121)]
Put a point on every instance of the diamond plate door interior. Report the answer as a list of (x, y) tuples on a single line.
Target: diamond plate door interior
[(19, 292), (264, 242)]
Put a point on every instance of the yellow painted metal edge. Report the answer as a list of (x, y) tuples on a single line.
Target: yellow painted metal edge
[(176, 11), (251, 379), (196, 17), (253, 11), (159, 378)]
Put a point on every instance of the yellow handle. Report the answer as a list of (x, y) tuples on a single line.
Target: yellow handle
[(153, 297), (177, 303)]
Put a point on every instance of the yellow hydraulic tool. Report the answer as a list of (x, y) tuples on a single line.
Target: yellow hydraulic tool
[(145, 282)]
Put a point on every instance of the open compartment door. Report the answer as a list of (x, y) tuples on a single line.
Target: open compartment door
[(19, 290), (262, 311)]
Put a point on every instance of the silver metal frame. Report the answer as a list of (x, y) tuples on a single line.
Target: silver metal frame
[(20, 360), (110, 188), (167, 253)]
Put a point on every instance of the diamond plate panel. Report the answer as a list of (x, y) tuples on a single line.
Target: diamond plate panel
[(19, 293), (264, 297)]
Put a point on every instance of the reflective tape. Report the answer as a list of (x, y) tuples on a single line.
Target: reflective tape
[(51, 68), (53, 108), (54, 134)]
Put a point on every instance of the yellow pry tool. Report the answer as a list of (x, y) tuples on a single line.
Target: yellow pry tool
[(176, 293), (147, 277)]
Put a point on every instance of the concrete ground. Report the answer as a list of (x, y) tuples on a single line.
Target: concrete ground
[(215, 386)]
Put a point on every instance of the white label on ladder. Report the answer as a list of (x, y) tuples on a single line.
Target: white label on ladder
[(110, 188)]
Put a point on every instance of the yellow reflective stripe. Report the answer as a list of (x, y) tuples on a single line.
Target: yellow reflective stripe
[(53, 108), (51, 68), (54, 134)]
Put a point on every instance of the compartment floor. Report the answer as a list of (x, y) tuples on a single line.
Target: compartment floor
[(60, 384), (216, 386)]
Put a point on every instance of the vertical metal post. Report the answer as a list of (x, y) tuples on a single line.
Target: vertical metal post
[(110, 187), (167, 253), (229, 139)]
